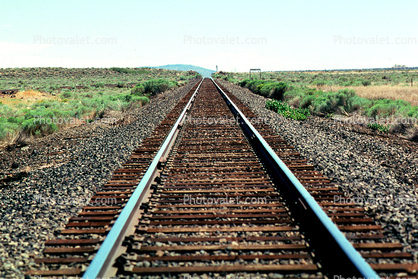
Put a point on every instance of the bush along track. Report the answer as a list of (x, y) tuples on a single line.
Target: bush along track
[(47, 116), (75, 106), (378, 127), (153, 87), (287, 111), (299, 102)]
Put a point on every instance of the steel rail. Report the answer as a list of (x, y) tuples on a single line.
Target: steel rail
[(102, 261), (322, 232)]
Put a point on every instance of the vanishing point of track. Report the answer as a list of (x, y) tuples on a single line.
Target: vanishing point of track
[(208, 193)]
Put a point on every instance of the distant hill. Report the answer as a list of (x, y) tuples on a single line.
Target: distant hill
[(182, 67)]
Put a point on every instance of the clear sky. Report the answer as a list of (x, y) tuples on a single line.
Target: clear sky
[(235, 35)]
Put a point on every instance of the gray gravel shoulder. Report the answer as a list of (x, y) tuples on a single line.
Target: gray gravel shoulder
[(61, 173), (380, 173)]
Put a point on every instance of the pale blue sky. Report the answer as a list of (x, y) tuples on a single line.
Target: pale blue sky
[(235, 35)]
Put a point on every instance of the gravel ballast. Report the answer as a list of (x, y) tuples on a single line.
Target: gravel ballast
[(62, 171), (380, 172), (56, 176)]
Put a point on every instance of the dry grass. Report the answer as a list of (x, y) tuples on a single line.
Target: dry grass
[(27, 96), (395, 92), (359, 72), (413, 134), (8, 140), (15, 139)]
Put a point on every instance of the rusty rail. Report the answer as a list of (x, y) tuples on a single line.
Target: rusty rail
[(283, 231), (101, 263), (340, 257)]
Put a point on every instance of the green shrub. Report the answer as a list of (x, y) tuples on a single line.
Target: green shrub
[(33, 126), (331, 102), (385, 107), (121, 70), (319, 82), (9, 126), (325, 103), (279, 90), (89, 102), (352, 82), (307, 101), (311, 91), (378, 127), (357, 83), (129, 71), (99, 84), (12, 119), (285, 110), (4, 131), (138, 101), (142, 99), (79, 103), (366, 82), (156, 86), (66, 94), (120, 85), (113, 98), (358, 103), (275, 90), (81, 110), (244, 82), (255, 85), (39, 113), (322, 104), (291, 94), (265, 89), (138, 90), (380, 109), (413, 112), (127, 98)]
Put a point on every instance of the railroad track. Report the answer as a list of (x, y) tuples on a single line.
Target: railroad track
[(206, 194)]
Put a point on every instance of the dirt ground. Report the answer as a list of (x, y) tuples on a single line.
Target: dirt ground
[(27, 96)]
